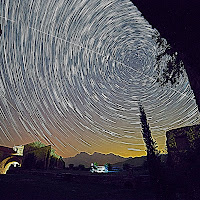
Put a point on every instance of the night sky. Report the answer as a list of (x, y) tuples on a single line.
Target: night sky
[(72, 74)]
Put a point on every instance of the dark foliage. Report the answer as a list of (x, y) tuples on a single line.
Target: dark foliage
[(173, 68), (176, 21), (71, 166), (81, 167), (153, 157), (150, 143)]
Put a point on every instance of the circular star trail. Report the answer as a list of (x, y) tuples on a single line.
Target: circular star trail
[(72, 74)]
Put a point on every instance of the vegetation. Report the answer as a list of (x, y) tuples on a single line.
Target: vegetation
[(169, 66), (153, 157), (81, 167), (150, 143), (37, 144), (95, 165), (71, 166), (39, 156)]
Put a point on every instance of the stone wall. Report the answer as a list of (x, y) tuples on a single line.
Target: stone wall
[(36, 158), (40, 156), (5, 152), (183, 146)]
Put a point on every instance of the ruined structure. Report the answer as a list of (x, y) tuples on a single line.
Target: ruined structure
[(10, 156), (183, 146), (35, 155), (39, 156), (184, 162)]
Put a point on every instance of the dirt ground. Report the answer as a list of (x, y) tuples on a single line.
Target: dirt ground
[(43, 185)]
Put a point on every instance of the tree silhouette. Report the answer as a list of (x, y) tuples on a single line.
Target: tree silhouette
[(150, 143), (169, 65), (71, 166), (81, 167), (176, 21), (153, 157)]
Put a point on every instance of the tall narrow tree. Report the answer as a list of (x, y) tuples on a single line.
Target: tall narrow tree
[(150, 143), (153, 157)]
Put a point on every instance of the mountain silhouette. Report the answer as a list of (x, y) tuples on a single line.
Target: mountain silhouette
[(138, 161), (86, 159)]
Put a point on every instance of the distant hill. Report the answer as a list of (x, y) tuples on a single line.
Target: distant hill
[(86, 159), (137, 161)]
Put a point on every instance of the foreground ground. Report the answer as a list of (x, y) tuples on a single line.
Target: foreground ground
[(34, 185)]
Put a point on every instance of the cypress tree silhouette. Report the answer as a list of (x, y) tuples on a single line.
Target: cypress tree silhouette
[(153, 157), (174, 68), (150, 143)]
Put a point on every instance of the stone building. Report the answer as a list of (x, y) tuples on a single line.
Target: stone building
[(183, 146), (40, 156), (19, 150), (10, 156)]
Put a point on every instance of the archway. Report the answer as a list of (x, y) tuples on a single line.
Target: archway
[(7, 162), (6, 168)]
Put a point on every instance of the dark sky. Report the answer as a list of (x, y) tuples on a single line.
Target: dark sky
[(176, 20), (73, 73)]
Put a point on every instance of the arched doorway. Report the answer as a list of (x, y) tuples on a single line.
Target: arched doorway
[(7, 162)]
